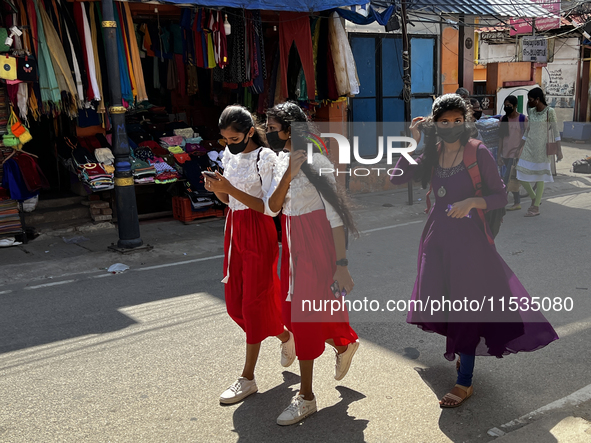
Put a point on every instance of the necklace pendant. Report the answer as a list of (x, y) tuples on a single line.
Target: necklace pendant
[(441, 192)]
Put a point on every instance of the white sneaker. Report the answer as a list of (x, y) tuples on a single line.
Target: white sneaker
[(288, 352), (343, 362), (239, 390), (297, 410)]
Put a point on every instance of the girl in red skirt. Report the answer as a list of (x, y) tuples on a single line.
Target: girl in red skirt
[(313, 256), (250, 245)]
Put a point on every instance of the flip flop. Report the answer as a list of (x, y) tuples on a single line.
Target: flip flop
[(459, 400), (533, 211)]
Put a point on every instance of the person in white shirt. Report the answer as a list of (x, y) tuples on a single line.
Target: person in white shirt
[(313, 259), (251, 251)]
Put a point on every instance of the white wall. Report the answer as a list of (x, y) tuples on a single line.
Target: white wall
[(558, 78)]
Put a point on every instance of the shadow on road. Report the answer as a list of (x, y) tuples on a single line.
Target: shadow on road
[(255, 419)]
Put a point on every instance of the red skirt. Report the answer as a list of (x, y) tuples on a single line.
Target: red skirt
[(252, 287), (313, 265)]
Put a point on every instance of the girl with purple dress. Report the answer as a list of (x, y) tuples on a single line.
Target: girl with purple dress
[(456, 260)]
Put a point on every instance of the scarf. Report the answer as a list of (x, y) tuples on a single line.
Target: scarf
[(50, 91), (94, 38), (96, 95), (142, 95), (58, 56)]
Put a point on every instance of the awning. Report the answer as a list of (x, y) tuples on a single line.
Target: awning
[(491, 8), (270, 5)]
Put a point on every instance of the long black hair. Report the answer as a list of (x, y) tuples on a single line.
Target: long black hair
[(443, 104), (504, 126), (289, 112), (537, 93), (239, 119)]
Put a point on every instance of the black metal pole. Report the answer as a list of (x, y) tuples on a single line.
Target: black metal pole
[(406, 94), (127, 217), (461, 46)]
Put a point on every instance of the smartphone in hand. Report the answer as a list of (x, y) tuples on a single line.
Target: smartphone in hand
[(335, 290), (210, 174)]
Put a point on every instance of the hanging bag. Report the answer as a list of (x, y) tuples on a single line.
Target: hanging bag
[(551, 146), (18, 129), (513, 184), (8, 67), (26, 69)]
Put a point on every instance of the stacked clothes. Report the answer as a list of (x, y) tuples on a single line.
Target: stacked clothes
[(164, 172), (95, 177), (10, 222), (143, 172)]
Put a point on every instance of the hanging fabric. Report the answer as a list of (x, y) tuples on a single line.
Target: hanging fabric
[(142, 95), (126, 91), (294, 28), (96, 95), (32, 18), (219, 40), (127, 57), (94, 38), (50, 92), (344, 63)]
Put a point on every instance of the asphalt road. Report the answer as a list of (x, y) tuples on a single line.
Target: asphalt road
[(143, 356)]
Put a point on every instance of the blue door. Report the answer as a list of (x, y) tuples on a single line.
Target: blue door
[(379, 67)]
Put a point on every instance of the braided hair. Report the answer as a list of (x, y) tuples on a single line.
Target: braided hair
[(289, 112)]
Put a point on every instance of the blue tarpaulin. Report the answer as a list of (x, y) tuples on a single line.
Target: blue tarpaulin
[(358, 19), (273, 5)]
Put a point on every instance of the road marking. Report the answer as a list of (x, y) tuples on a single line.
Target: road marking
[(5, 292), (574, 399), (46, 285), (392, 226), (102, 275), (186, 262)]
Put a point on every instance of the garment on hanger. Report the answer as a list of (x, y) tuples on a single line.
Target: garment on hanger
[(294, 28)]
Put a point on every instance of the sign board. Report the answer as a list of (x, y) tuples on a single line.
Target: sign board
[(535, 49), (520, 26), (494, 36)]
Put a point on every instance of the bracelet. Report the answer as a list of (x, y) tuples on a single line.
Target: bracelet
[(343, 262)]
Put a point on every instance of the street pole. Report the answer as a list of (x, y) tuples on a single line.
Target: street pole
[(127, 217), (406, 92)]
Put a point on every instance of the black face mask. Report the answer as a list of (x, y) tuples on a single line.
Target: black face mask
[(451, 135), (275, 142), (237, 148), (508, 110), (477, 115)]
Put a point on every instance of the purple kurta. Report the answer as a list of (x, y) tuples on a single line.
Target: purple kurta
[(456, 262)]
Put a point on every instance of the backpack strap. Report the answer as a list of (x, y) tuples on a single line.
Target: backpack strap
[(470, 153)]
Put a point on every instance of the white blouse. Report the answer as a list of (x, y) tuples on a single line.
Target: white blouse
[(241, 171), (302, 197)]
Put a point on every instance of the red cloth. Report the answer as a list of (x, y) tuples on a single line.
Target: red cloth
[(156, 149), (80, 26), (252, 291), (294, 27), (31, 173), (32, 17), (313, 257), (180, 69), (197, 31), (333, 92)]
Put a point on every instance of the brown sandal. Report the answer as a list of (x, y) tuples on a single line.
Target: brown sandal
[(532, 211), (459, 400)]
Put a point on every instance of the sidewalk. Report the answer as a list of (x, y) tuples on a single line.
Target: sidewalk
[(49, 256)]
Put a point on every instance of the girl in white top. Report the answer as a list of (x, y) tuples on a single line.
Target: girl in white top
[(313, 256), (251, 250)]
